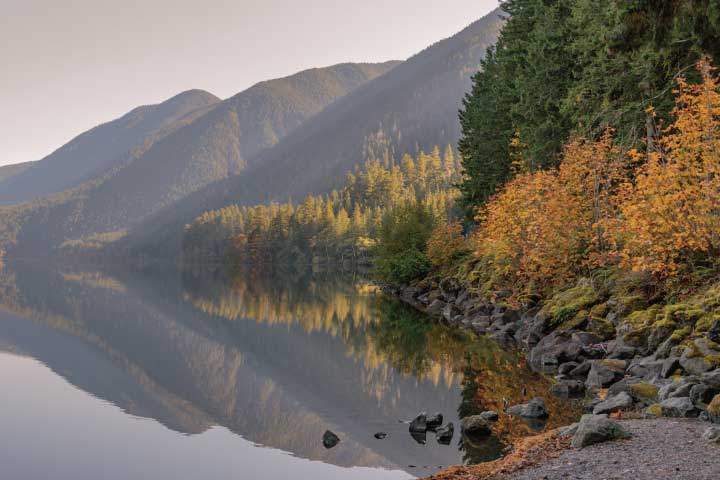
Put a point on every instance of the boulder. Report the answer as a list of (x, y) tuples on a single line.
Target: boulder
[(567, 367), (329, 439), (490, 415), (712, 434), (535, 408), (582, 370), (594, 429), (678, 407), (623, 352), (693, 358), (701, 393), (670, 365), (714, 333), (623, 385), (419, 423), (604, 373), (621, 401), (434, 421), (711, 379), (475, 426), (445, 434), (713, 409), (568, 389), (450, 311)]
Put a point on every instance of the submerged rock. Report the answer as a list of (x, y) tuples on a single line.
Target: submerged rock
[(594, 429), (535, 408), (419, 424), (445, 434), (434, 421), (330, 439), (380, 435), (568, 389)]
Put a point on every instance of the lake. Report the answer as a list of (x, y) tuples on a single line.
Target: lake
[(202, 373)]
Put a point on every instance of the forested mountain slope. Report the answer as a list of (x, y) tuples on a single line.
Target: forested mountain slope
[(93, 151), (412, 107), (202, 147), (9, 171)]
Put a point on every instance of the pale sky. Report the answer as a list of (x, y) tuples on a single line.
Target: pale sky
[(68, 65)]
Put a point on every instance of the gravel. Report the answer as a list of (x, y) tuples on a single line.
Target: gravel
[(659, 449)]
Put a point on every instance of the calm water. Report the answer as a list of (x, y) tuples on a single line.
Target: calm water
[(200, 374)]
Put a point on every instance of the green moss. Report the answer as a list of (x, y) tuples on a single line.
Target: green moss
[(631, 303), (602, 327), (655, 409), (665, 323), (680, 334), (637, 337), (566, 304), (712, 360), (644, 390), (648, 316), (599, 311), (714, 405)]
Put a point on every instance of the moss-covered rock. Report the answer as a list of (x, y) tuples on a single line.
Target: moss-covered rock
[(644, 391), (655, 410), (565, 306)]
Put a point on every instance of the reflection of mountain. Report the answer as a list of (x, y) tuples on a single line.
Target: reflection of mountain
[(275, 385)]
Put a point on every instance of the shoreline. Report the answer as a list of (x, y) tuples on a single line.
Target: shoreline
[(663, 389)]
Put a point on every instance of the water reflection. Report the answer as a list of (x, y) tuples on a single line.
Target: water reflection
[(275, 360)]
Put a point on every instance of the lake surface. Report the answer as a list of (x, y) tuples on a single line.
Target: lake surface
[(167, 374)]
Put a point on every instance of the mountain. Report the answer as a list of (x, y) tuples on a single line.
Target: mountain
[(8, 171), (91, 152), (204, 146), (414, 106)]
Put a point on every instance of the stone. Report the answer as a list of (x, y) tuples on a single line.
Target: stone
[(714, 333), (594, 429), (450, 311), (701, 393), (711, 379), (419, 423), (604, 373), (475, 426), (621, 401), (678, 407), (436, 307), (568, 430), (490, 415), (567, 367), (581, 370), (712, 434), (693, 358), (623, 352), (434, 421), (535, 408), (623, 385), (444, 435), (568, 389), (329, 439), (670, 365), (380, 435)]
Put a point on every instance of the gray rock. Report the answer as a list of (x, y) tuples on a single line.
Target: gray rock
[(535, 408), (621, 401), (712, 434), (695, 363), (475, 426), (604, 373), (701, 393), (419, 424), (380, 435), (678, 407), (682, 388), (623, 386), (647, 368), (444, 435), (567, 367), (711, 379), (670, 365), (594, 429), (568, 389), (330, 439), (449, 312), (581, 370), (568, 430), (490, 415), (714, 333), (623, 352)]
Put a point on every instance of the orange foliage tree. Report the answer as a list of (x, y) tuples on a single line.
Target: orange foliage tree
[(670, 214), (544, 227), (446, 243)]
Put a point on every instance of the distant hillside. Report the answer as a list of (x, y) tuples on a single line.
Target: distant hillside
[(93, 151), (202, 147), (414, 106), (7, 171)]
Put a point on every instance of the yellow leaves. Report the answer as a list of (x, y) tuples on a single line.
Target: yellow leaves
[(446, 242), (671, 212)]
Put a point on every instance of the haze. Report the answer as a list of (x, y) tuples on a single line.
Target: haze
[(68, 66)]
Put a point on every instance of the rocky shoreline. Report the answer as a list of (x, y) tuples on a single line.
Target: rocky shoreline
[(616, 367)]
